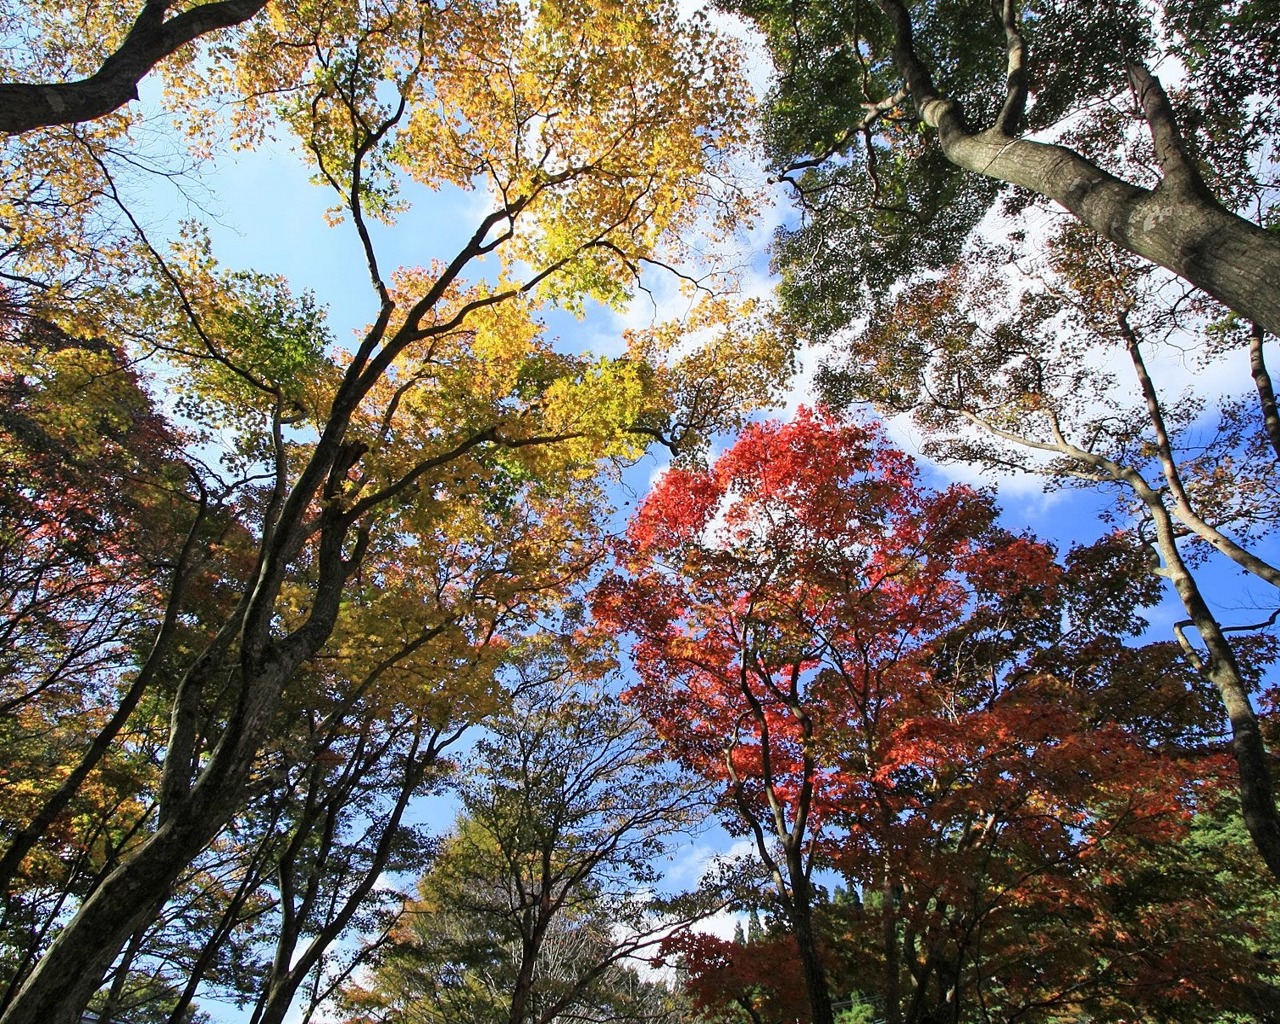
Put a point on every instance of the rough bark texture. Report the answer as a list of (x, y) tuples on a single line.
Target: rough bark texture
[(73, 967), (26, 106), (1266, 393)]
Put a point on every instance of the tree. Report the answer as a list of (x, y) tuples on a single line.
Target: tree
[(884, 204), (860, 82), (347, 480), (541, 897), (1018, 388), (878, 679), (97, 514), (760, 979)]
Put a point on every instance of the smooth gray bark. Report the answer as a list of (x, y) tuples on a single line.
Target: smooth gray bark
[(1178, 224)]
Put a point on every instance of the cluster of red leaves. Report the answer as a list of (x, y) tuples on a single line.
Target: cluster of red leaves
[(726, 979), (835, 645)]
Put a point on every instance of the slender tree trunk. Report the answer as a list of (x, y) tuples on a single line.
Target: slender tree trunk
[(815, 976), (231, 917), (290, 972), (57, 801), (111, 1007), (1219, 667), (522, 989), (61, 985), (892, 951), (1257, 791), (1266, 393)]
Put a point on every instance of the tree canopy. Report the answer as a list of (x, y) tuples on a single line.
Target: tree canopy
[(265, 590), (926, 141), (899, 121), (317, 567), (538, 906), (881, 682)]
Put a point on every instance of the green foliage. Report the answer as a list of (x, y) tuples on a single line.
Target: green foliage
[(534, 906), (881, 204), (861, 233), (860, 1010), (1232, 56)]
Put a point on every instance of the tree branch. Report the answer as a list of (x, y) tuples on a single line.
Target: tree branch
[(1015, 100), (1171, 151), (24, 106), (1266, 394)]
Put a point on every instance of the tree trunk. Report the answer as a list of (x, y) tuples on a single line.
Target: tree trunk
[(1175, 225), (71, 970), (892, 957), (1178, 224), (291, 969), (1257, 792), (1218, 665), (815, 977)]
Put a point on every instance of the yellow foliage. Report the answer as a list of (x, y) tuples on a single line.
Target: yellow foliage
[(730, 357), (593, 126)]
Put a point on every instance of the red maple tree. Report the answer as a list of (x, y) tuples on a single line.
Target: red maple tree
[(882, 680)]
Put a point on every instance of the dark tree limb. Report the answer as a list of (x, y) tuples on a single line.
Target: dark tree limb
[(25, 106), (1266, 393)]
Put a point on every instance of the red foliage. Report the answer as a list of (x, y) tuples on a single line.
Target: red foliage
[(879, 675), (722, 977)]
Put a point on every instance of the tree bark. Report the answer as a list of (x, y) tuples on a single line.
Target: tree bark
[(71, 970), (815, 976), (24, 106), (1178, 224), (1257, 793), (1178, 227), (1218, 665), (1266, 393)]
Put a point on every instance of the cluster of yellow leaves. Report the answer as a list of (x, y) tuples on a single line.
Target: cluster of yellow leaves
[(592, 125), (596, 129), (53, 41), (731, 356), (477, 482), (491, 368), (42, 743), (61, 233)]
